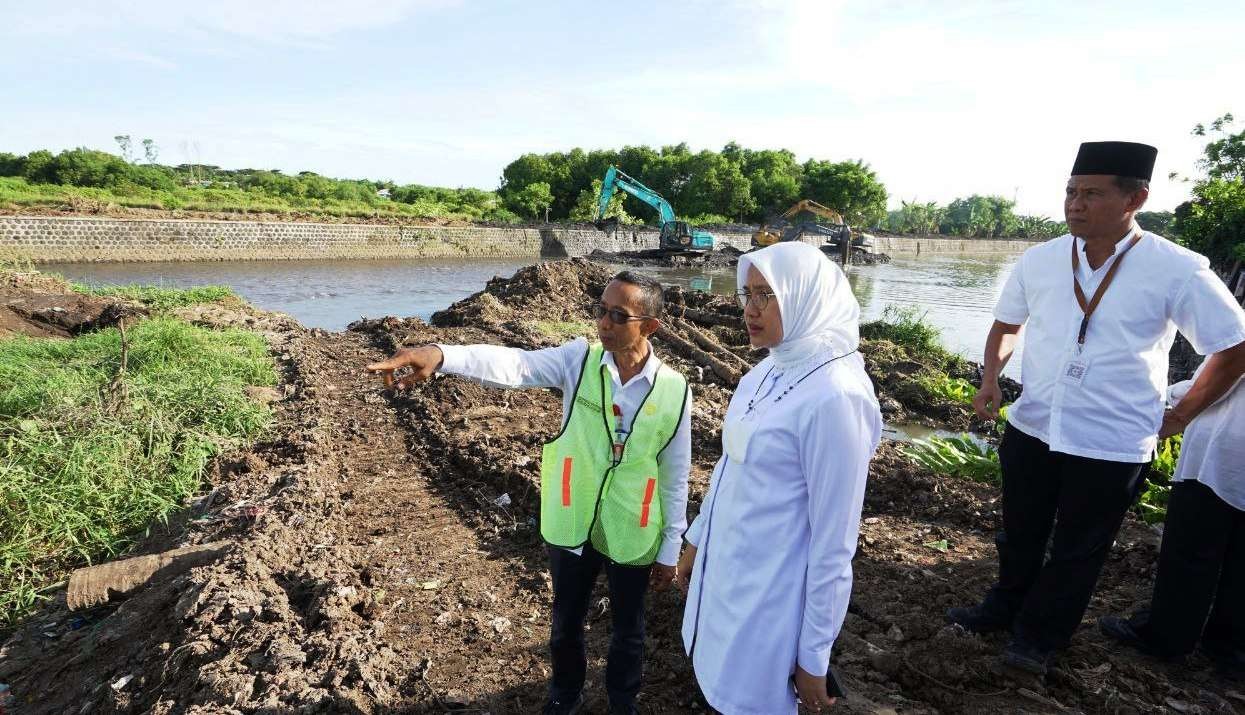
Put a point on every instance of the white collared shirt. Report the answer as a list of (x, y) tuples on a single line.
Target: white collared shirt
[(497, 366), (1114, 412)]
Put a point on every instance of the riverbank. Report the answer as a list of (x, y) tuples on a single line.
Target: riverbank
[(384, 554), (59, 239)]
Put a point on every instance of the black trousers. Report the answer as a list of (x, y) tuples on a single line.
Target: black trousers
[(573, 579), (1201, 572), (1084, 501)]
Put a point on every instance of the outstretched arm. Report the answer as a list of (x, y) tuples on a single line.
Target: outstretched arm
[(492, 365)]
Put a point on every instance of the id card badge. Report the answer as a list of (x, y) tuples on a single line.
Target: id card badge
[(1074, 371)]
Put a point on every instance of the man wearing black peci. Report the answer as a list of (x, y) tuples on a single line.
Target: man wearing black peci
[(1102, 306)]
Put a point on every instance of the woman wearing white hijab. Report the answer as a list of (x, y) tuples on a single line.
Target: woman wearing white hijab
[(768, 568)]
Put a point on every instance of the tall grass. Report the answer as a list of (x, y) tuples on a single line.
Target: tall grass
[(159, 298), (908, 328), (90, 456)]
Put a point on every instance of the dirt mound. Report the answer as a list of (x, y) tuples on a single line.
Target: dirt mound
[(385, 556), (39, 306)]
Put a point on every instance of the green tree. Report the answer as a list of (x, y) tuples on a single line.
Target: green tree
[(38, 167), (150, 151), (587, 203), (1160, 222), (1038, 228), (533, 201), (11, 164), (1213, 221), (126, 144), (850, 187), (917, 218), (981, 217), (1223, 157)]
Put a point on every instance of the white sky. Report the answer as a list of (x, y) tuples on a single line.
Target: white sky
[(943, 99)]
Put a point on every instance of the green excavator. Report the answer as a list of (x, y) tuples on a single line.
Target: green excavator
[(676, 236)]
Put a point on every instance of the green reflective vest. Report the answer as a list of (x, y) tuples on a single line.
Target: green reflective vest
[(584, 495)]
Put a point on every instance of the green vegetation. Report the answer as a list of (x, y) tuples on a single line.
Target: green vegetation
[(704, 187), (908, 328), (160, 298), (565, 330), (954, 389), (1153, 503), (963, 457), (97, 442), (957, 457), (85, 179), (972, 217), (1213, 221)]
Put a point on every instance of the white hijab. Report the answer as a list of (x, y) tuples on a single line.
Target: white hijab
[(819, 312), (820, 319)]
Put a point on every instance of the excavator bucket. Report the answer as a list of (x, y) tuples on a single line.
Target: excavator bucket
[(608, 225)]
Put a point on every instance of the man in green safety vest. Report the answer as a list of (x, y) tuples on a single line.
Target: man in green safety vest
[(613, 482)]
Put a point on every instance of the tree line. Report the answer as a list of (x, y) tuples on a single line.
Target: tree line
[(736, 184), (185, 185)]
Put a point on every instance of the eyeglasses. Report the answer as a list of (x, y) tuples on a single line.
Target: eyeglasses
[(617, 317), (746, 296)]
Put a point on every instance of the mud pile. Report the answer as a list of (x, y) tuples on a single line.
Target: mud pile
[(386, 556)]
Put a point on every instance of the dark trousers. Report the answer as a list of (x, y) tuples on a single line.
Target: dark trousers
[(573, 579), (1084, 501), (1201, 562)]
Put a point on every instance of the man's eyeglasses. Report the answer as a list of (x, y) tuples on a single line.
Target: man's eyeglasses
[(617, 317), (746, 296)]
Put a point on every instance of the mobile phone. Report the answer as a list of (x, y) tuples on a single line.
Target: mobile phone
[(833, 687)]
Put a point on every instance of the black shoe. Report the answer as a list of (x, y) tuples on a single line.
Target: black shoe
[(1229, 661), (1028, 658), (557, 707), (627, 709), (1119, 629), (976, 619)]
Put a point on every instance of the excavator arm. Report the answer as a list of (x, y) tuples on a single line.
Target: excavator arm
[(676, 236), (616, 180), (784, 228)]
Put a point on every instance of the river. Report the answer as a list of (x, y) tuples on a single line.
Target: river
[(956, 292)]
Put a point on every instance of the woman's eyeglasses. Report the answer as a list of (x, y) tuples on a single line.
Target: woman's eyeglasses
[(617, 317), (746, 296)]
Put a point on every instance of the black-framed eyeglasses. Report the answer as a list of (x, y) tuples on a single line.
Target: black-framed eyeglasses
[(761, 298), (617, 317)]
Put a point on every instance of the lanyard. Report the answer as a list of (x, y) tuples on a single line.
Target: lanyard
[(1088, 308)]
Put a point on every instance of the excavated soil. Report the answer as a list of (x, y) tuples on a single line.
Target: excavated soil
[(385, 555)]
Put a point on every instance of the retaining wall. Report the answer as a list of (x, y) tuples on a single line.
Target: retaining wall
[(72, 239)]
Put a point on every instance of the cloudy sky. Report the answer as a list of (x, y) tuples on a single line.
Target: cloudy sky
[(943, 99)]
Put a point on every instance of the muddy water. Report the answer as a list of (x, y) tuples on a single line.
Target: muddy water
[(955, 291)]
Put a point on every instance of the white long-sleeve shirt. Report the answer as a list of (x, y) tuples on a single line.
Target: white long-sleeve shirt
[(1213, 447), (497, 366), (776, 534)]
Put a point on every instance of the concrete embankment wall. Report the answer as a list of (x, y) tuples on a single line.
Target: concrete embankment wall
[(63, 239)]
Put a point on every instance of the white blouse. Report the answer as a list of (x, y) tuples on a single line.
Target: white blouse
[(1213, 448), (777, 531)]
